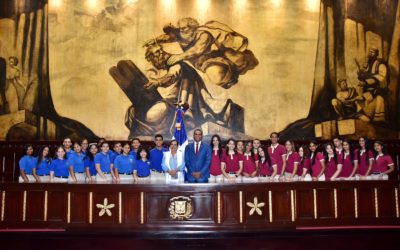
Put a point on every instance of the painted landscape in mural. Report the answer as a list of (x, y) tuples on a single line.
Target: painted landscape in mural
[(119, 69)]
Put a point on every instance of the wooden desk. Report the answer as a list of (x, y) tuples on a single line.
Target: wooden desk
[(216, 207)]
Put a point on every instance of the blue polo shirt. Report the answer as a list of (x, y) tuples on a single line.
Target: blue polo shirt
[(133, 153), (124, 163), (142, 168), (156, 156), (26, 163), (90, 164), (104, 161), (77, 162), (69, 153), (60, 167), (43, 168), (113, 155)]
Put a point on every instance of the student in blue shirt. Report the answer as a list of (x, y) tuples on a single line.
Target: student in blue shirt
[(90, 168), (135, 144), (41, 171), (59, 167), (173, 163), (26, 163), (84, 145), (103, 164), (67, 144), (156, 156), (77, 168), (117, 150), (141, 169), (124, 164)]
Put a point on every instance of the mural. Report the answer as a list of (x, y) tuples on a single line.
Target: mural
[(119, 68)]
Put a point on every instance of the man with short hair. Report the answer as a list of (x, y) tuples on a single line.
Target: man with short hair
[(156, 156), (197, 159)]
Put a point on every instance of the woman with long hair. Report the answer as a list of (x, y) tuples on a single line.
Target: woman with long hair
[(41, 171), (90, 168), (333, 163), (250, 164), (317, 162), (267, 168), (59, 167), (216, 156), (383, 164), (232, 162), (304, 168), (349, 164), (292, 160), (364, 156), (26, 164)]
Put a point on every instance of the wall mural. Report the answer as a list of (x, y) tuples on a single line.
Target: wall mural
[(119, 68)]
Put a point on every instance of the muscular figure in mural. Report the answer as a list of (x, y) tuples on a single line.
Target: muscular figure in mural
[(345, 103), (181, 84), (372, 78), (213, 48), (14, 89)]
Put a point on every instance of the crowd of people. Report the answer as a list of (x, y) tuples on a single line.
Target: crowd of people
[(199, 162)]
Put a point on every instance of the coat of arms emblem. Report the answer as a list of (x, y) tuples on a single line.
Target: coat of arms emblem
[(180, 208)]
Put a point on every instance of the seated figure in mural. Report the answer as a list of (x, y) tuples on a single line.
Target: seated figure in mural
[(345, 103), (14, 89), (182, 84), (373, 80), (212, 48)]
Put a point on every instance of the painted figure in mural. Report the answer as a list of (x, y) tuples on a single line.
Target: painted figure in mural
[(345, 103), (183, 85), (14, 90), (212, 48), (373, 79)]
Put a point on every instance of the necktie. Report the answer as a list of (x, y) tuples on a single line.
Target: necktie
[(197, 149)]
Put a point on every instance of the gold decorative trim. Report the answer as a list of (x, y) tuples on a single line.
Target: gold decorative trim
[(219, 207), (396, 194), (105, 208), (292, 207), (90, 207), (315, 203), (240, 206), (45, 205), (24, 207), (255, 206), (141, 208), (270, 205), (120, 208), (180, 208), (355, 203), (335, 202), (376, 203), (3, 204), (69, 208)]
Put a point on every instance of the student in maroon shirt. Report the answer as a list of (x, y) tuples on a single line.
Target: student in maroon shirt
[(338, 143), (232, 162), (364, 155), (267, 166), (240, 147), (383, 164), (216, 155), (349, 164), (292, 160), (278, 152), (256, 146), (333, 162), (304, 169), (317, 163), (249, 161)]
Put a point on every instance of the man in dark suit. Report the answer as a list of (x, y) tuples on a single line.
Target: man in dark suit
[(197, 159)]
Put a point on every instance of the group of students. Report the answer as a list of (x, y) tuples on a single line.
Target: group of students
[(249, 161), (237, 161)]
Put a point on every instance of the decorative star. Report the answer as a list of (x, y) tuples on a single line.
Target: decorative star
[(255, 206), (105, 207)]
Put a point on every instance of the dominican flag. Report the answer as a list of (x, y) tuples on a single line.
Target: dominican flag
[(180, 131)]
